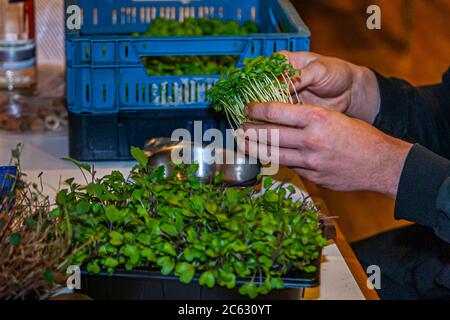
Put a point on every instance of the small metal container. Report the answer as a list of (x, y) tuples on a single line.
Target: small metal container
[(237, 169)]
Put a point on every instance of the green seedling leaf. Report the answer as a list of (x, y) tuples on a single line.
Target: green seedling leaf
[(185, 271), (148, 254), (30, 223), (48, 276), (140, 156), (310, 269), (111, 262), (115, 215), (268, 182), (266, 261), (95, 189), (129, 237), (83, 207), (145, 239), (116, 238), (15, 239), (167, 265), (169, 229), (131, 252), (218, 178), (93, 267), (207, 278), (276, 283), (190, 254), (211, 207), (169, 249), (249, 289), (83, 166)]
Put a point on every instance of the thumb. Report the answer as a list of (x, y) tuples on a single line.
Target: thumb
[(312, 74), (299, 59)]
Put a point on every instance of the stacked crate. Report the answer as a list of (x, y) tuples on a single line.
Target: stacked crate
[(113, 102)]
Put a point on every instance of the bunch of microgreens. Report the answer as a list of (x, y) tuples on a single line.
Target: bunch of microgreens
[(34, 244), (162, 27), (180, 226), (193, 65), (262, 79)]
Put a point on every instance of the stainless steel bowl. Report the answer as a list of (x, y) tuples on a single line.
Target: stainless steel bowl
[(241, 171)]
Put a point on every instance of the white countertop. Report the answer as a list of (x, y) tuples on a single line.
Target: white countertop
[(43, 153)]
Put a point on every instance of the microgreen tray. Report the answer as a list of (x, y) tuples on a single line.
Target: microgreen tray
[(152, 285)]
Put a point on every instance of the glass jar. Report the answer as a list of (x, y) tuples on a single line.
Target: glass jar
[(17, 45)]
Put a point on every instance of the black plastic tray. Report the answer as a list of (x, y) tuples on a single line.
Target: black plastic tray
[(103, 137), (151, 285)]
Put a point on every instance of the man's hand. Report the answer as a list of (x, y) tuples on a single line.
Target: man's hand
[(336, 84), (331, 149)]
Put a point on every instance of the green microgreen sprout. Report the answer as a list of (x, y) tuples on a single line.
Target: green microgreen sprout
[(179, 226), (262, 79), (193, 65)]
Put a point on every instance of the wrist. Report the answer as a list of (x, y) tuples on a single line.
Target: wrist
[(365, 95), (393, 153)]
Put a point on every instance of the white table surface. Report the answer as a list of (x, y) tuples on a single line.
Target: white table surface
[(43, 153)]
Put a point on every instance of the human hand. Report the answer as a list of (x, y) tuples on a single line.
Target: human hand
[(336, 84), (329, 148)]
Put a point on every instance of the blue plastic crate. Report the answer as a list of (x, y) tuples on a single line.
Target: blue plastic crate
[(7, 178), (105, 73)]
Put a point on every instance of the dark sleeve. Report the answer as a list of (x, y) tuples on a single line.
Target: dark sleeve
[(418, 115), (423, 194), (421, 116)]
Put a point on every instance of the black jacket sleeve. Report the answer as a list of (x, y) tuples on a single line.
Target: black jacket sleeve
[(421, 116)]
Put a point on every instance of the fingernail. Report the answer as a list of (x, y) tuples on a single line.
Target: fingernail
[(248, 108), (246, 111)]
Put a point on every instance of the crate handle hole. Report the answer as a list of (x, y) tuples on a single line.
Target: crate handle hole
[(183, 92), (144, 98), (174, 91), (150, 93), (104, 93), (161, 95), (88, 93), (166, 88), (86, 51), (197, 92)]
